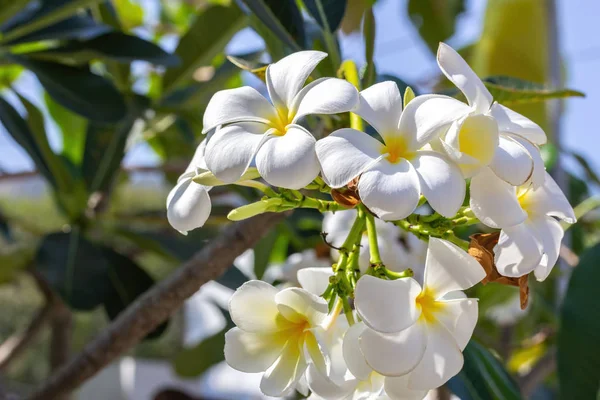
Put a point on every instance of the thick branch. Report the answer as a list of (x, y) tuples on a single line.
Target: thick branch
[(156, 305)]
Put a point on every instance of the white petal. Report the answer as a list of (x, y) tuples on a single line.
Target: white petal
[(460, 318), (286, 77), (298, 305), (395, 354), (314, 279), (518, 251), (550, 233), (289, 161), (458, 72), (449, 268), (549, 200), (188, 205), (441, 182), (253, 308), (494, 201), (325, 388), (252, 352), (355, 360), (391, 191), (198, 161), (441, 361), (427, 116), (397, 388), (237, 105), (317, 351), (513, 122), (381, 106), (232, 148), (324, 96), (387, 306), (512, 162), (539, 169), (345, 154), (285, 373)]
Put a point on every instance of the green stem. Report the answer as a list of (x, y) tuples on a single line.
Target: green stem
[(348, 311), (372, 234), (407, 273)]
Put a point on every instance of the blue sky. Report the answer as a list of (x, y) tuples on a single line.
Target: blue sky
[(399, 51)]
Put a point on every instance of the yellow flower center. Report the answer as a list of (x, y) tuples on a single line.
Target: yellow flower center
[(429, 306), (281, 123), (522, 197), (478, 137), (396, 149)]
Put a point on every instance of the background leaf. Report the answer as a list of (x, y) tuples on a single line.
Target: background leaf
[(78, 27), (508, 91), (71, 126), (334, 11), (283, 18), (435, 20)]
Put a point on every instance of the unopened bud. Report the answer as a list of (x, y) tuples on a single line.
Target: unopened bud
[(252, 209), (207, 178)]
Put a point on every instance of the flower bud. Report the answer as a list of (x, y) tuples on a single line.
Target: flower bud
[(252, 209)]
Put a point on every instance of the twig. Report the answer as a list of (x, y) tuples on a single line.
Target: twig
[(157, 304)]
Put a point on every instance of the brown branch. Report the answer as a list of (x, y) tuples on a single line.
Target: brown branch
[(12, 347), (157, 304), (540, 371)]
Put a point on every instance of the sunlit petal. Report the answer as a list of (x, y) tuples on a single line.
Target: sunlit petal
[(324, 96), (512, 162), (549, 199), (513, 122), (459, 317), (550, 233), (285, 373), (252, 352), (397, 388), (298, 305), (381, 106), (355, 360), (518, 251), (253, 309), (188, 205)]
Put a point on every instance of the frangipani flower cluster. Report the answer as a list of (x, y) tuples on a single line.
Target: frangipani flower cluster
[(381, 320)]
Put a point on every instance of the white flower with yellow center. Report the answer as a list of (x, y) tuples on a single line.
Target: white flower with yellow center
[(278, 332), (254, 128), (484, 133), (393, 174), (420, 330), (531, 236), (188, 203)]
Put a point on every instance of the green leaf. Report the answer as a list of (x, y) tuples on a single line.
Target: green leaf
[(590, 174), (510, 91), (579, 332), (483, 377), (72, 88), (369, 29), (115, 46), (549, 154), (9, 74), (49, 13), (262, 252), (193, 362), (130, 14), (205, 38), (75, 268), (333, 9), (128, 282), (78, 27), (9, 8), (233, 278), (283, 18), (72, 127), (434, 19)]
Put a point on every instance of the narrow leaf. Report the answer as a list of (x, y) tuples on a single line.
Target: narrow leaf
[(10, 8), (509, 91), (78, 27), (369, 29), (435, 20), (283, 18), (72, 128), (333, 9)]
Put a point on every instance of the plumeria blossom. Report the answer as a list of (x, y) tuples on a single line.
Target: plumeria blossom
[(485, 133), (411, 328), (188, 203), (531, 236), (252, 128), (277, 332), (395, 172)]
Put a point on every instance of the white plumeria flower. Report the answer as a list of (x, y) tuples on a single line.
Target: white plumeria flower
[(484, 133), (393, 174), (395, 256), (268, 131), (530, 238), (277, 332), (188, 203), (420, 330)]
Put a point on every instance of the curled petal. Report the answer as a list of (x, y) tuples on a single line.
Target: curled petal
[(539, 169), (252, 352), (510, 121), (549, 200), (243, 104), (397, 388), (314, 279), (441, 182), (298, 305), (387, 306), (518, 251), (345, 154), (494, 201), (432, 372), (381, 106), (460, 317), (286, 77), (198, 162), (395, 354), (232, 148), (458, 72), (550, 233), (391, 191), (324, 96), (512, 162), (188, 205), (355, 360), (427, 116), (289, 161), (285, 373), (253, 309), (449, 268)]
